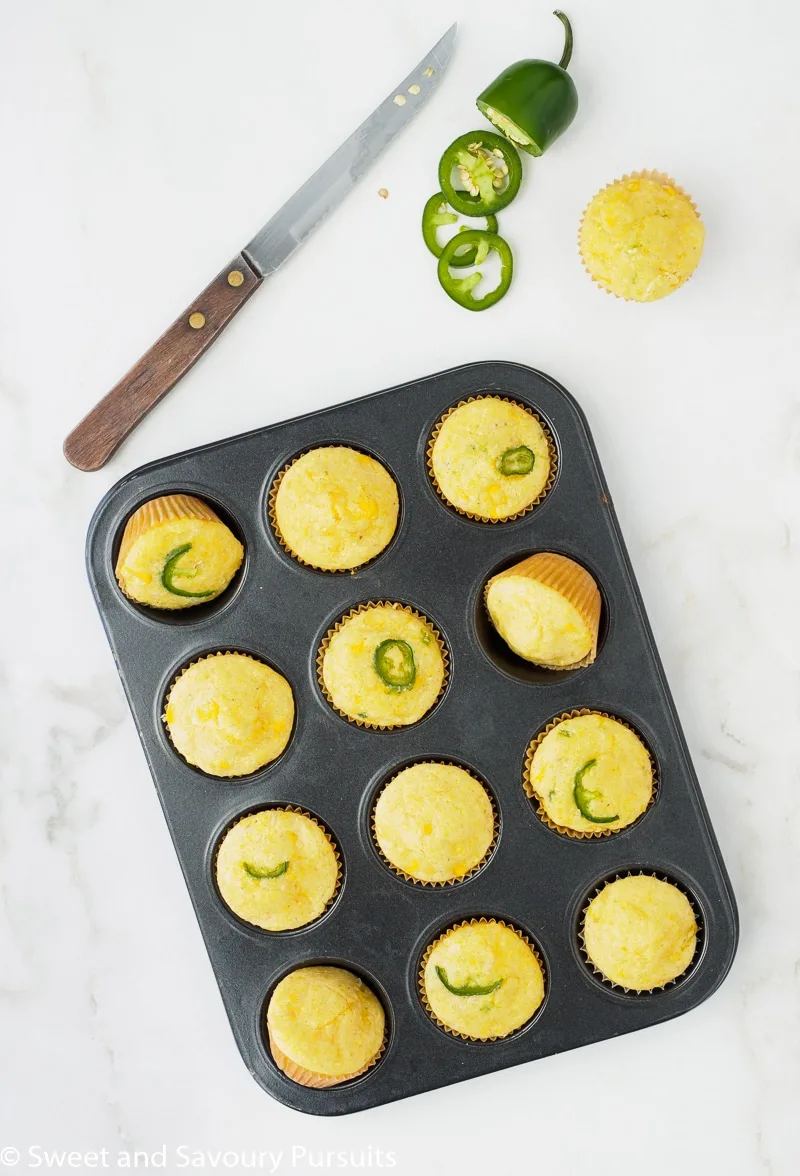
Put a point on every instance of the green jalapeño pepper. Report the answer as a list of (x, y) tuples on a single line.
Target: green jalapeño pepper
[(488, 168), (516, 462), (170, 571), (256, 872), (533, 102), (468, 989), (584, 797), (394, 664), (460, 289), (436, 213)]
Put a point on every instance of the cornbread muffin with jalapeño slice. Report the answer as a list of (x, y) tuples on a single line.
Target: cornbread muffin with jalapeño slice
[(229, 714), (325, 1026), (176, 553), (277, 869)]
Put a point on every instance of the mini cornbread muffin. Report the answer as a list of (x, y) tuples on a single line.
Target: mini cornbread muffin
[(335, 508), (482, 980), (382, 665), (434, 822), (277, 869), (325, 1026), (590, 774), (547, 609), (490, 459), (229, 714), (641, 237), (640, 932), (176, 553)]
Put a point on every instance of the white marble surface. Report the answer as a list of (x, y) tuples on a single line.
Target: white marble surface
[(142, 144)]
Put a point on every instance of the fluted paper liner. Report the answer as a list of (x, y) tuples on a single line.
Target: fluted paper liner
[(473, 923), (326, 640), (304, 1077), (578, 834), (282, 808), (447, 881), (659, 987), (570, 580), (551, 450), (645, 174), (170, 507)]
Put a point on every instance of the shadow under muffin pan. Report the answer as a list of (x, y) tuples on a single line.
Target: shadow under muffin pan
[(439, 561)]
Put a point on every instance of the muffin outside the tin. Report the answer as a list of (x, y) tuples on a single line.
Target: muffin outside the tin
[(334, 508), (277, 869), (640, 932), (229, 714), (590, 774), (547, 610), (325, 1026), (482, 979), (641, 237), (434, 823), (382, 665), (176, 553), (491, 459)]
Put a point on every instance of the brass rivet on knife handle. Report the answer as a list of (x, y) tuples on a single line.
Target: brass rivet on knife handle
[(100, 434), (235, 278)]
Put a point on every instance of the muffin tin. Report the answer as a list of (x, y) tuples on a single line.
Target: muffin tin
[(379, 924)]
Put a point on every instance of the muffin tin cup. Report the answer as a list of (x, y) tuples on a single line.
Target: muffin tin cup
[(532, 794), (645, 174), (440, 939), (412, 612), (551, 448), (303, 1077)]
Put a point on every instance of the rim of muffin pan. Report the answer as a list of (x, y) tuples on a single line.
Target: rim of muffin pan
[(501, 656), (212, 852), (172, 675), (197, 613), (595, 976), (270, 490)]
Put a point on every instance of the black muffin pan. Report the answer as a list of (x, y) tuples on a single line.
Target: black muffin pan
[(439, 561)]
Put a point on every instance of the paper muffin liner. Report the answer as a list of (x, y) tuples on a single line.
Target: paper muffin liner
[(699, 934), (170, 507), (447, 881), (551, 449), (273, 516), (406, 608), (280, 808), (304, 1077), (645, 174), (570, 580), (456, 927), (532, 794)]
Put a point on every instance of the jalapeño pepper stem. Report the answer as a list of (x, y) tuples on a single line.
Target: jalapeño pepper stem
[(466, 989), (394, 664), (585, 796), (566, 56), (170, 571), (255, 872)]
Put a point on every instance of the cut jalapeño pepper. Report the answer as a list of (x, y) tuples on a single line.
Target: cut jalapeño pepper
[(461, 289), (256, 872), (584, 797), (467, 989), (515, 462), (394, 664), (171, 570), (437, 212), (533, 102), (489, 169)]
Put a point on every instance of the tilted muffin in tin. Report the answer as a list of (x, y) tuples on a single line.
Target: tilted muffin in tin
[(334, 508), (325, 1026), (590, 774), (491, 458), (277, 869), (434, 823), (176, 553), (482, 979), (382, 665), (640, 932), (229, 714)]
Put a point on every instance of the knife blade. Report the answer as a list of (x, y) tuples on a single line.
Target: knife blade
[(98, 436)]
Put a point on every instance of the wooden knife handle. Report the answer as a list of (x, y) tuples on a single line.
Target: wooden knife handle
[(99, 435)]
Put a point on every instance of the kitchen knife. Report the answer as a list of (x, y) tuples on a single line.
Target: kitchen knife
[(90, 445)]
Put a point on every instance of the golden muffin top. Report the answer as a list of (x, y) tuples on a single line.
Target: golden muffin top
[(434, 822), (641, 238), (482, 980), (640, 932), (229, 715), (277, 869), (336, 508), (490, 458), (591, 773), (326, 1020), (383, 666)]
